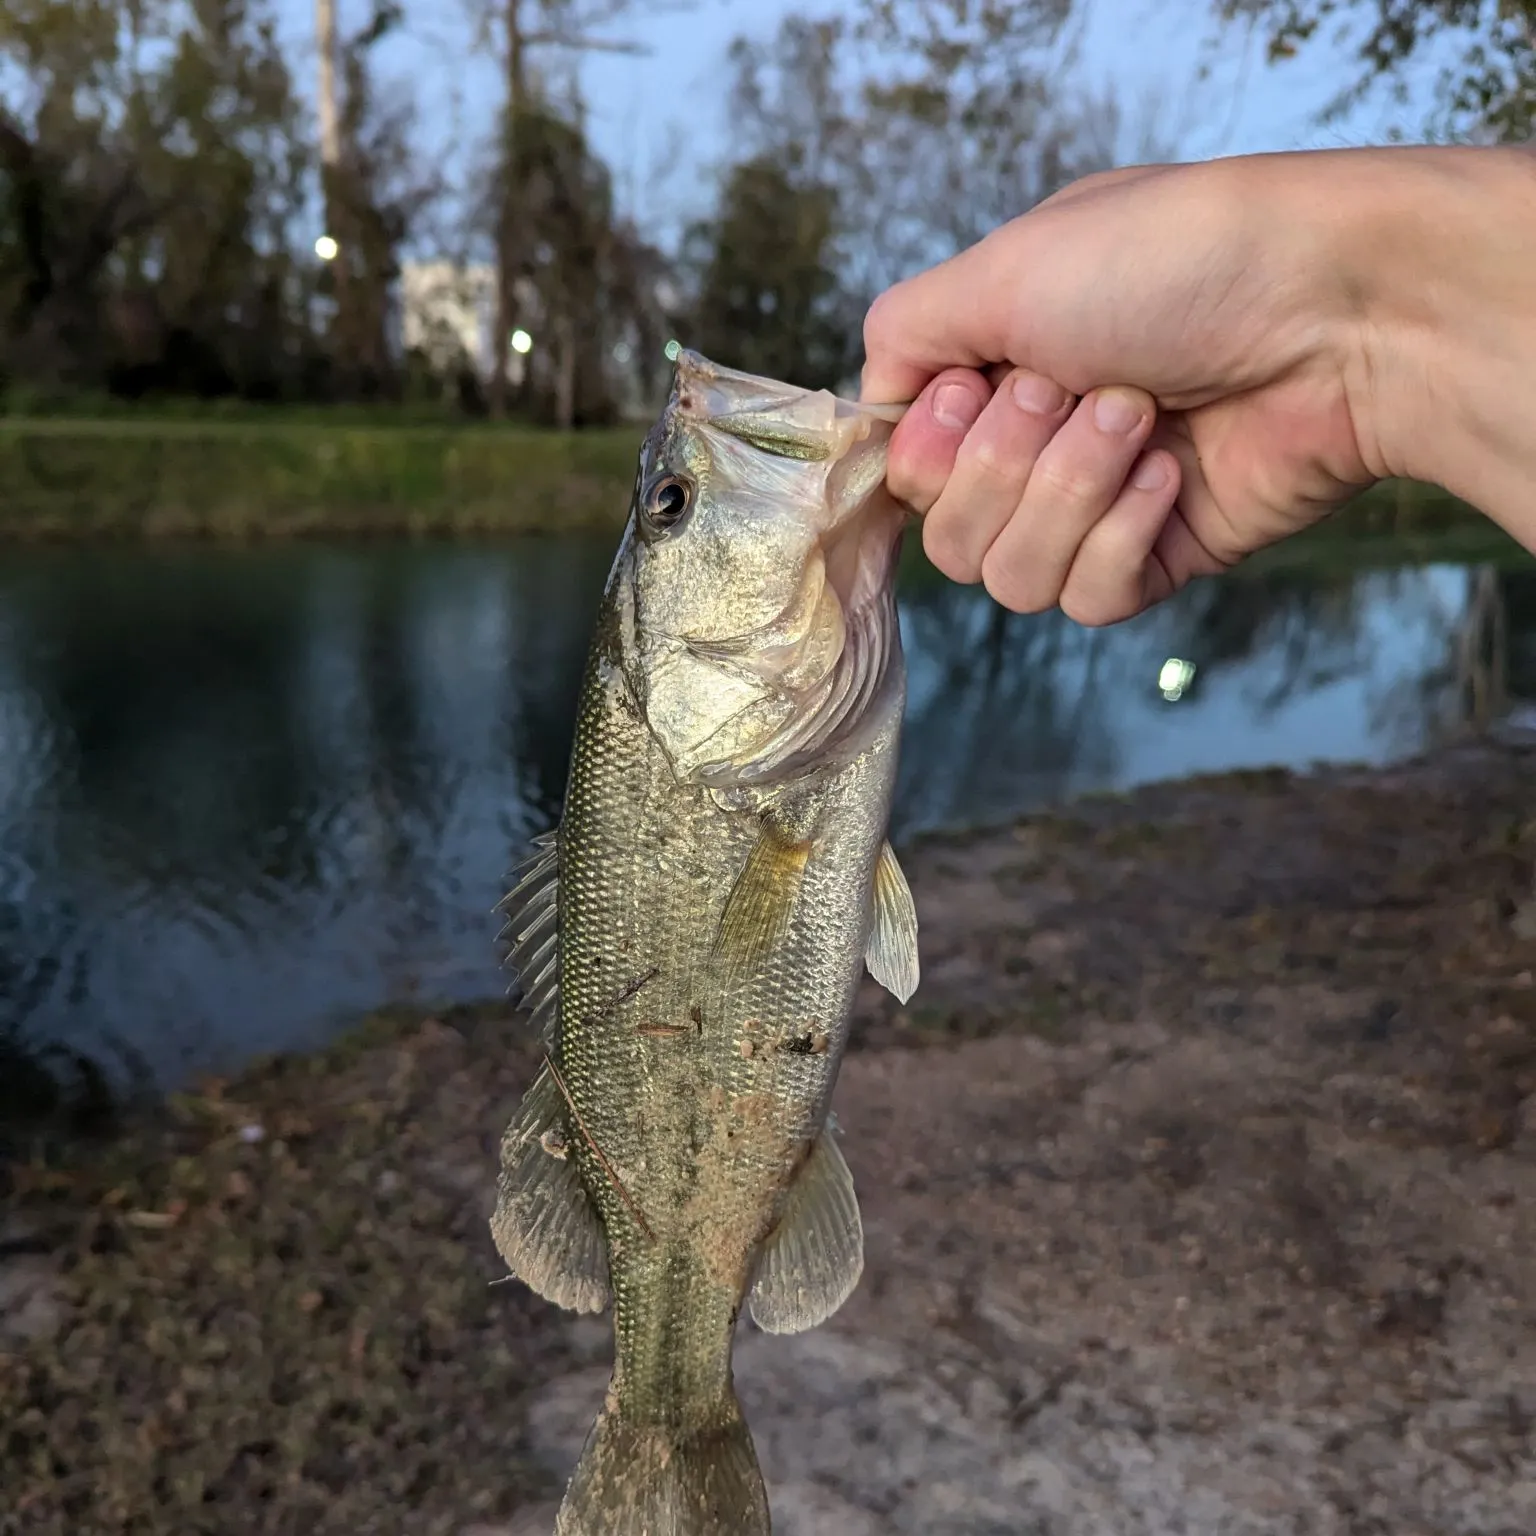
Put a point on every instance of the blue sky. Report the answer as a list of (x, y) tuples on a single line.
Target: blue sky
[(659, 123)]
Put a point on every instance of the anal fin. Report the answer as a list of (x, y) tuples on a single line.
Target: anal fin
[(812, 1260), (545, 1224), (891, 951)]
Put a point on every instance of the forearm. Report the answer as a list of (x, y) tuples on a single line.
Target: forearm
[(1447, 362)]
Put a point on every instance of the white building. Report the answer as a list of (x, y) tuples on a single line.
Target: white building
[(447, 312)]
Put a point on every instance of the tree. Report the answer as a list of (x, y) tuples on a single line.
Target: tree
[(150, 176), (214, 137), (1486, 87), (583, 282), (70, 191), (375, 189), (769, 299), (875, 142), (521, 28)]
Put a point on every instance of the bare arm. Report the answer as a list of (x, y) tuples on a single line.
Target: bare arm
[(1278, 331)]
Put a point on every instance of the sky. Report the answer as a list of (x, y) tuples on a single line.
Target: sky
[(659, 121)]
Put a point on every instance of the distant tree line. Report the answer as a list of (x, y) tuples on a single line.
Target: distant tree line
[(157, 162)]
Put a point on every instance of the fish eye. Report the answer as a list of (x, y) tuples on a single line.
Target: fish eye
[(667, 500)]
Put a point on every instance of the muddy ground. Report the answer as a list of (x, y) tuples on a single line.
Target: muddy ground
[(1199, 1183)]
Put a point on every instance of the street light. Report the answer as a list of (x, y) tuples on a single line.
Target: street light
[(1175, 678), (522, 342), (326, 248)]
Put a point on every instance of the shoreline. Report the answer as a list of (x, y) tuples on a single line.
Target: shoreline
[(248, 478), (1198, 1177)]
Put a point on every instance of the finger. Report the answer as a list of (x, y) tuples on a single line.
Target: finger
[(1077, 479), (942, 318), (927, 439), (1117, 572), (992, 471), (969, 311), (1101, 181)]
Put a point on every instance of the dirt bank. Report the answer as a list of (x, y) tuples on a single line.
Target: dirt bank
[(1199, 1183)]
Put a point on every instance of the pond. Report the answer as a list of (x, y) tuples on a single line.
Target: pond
[(246, 795)]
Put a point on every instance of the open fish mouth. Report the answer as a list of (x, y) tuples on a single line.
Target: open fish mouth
[(758, 704)]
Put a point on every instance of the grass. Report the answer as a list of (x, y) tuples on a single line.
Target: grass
[(246, 479), (276, 1304), (239, 474)]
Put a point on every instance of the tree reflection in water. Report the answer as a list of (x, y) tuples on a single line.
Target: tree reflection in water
[(247, 795)]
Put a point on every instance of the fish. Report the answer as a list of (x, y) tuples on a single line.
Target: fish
[(690, 937)]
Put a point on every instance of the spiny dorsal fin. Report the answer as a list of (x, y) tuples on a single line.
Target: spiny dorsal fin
[(532, 931), (545, 1224), (812, 1260), (891, 952), (762, 901)]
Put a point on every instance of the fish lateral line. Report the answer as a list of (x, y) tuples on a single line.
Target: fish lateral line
[(597, 1151)]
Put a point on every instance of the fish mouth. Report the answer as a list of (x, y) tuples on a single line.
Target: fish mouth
[(773, 416), (812, 673)]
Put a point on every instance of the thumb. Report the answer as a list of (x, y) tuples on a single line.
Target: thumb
[(928, 438)]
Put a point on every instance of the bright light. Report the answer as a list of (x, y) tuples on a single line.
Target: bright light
[(326, 248), (621, 353), (522, 342), (673, 348), (1174, 678)]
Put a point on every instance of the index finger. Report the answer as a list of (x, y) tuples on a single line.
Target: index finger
[(965, 312), (946, 317)]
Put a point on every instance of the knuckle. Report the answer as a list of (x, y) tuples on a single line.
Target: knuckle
[(907, 483), (880, 320), (950, 552), (1013, 588), (1093, 610), (985, 457), (997, 456), (1075, 484)]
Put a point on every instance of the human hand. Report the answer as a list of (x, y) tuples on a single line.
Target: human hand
[(1230, 330)]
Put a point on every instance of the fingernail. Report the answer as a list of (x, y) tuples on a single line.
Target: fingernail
[(1117, 412), (1151, 473), (955, 406), (1038, 395)]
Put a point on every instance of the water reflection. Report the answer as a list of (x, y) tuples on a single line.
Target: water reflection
[(245, 795)]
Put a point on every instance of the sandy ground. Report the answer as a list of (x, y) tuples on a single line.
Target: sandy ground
[(1199, 1185)]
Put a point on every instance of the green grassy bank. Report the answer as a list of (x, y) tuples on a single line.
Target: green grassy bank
[(66, 479), (243, 477)]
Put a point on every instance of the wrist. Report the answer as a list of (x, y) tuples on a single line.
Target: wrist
[(1442, 373)]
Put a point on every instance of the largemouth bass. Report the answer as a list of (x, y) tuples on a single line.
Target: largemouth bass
[(691, 936)]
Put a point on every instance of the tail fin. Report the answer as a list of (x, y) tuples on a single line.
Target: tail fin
[(646, 1480)]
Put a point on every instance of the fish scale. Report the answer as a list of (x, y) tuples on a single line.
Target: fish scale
[(721, 878)]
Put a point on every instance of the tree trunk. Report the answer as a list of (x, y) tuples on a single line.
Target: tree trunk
[(330, 118), (565, 372), (507, 229), (331, 186)]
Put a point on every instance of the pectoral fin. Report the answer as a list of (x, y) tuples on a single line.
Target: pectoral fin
[(762, 901), (545, 1224), (891, 953), (812, 1260)]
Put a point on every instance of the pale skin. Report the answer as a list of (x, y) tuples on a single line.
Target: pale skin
[(1162, 369)]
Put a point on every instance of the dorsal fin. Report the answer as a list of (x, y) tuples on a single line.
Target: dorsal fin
[(532, 931)]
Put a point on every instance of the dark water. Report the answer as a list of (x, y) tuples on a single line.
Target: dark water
[(245, 795)]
